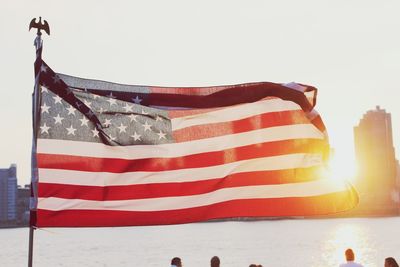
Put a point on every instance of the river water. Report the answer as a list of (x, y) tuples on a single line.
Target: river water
[(314, 243)]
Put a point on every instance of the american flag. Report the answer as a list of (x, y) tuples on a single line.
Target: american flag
[(116, 155)]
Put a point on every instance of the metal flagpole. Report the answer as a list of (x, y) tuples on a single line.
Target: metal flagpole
[(35, 124)]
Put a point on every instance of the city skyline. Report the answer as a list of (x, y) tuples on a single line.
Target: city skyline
[(347, 50), (14, 199), (8, 193)]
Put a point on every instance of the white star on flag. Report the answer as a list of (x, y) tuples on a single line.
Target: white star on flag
[(57, 99), (43, 68), (45, 108), (44, 89), (95, 133), (161, 135), (133, 117), (136, 136), (122, 128), (107, 122), (128, 108), (71, 130), (144, 112), (71, 110), (112, 101), (158, 118), (146, 126), (84, 121), (58, 119), (44, 128)]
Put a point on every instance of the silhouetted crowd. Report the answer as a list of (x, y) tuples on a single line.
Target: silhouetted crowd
[(214, 262), (349, 255), (350, 260)]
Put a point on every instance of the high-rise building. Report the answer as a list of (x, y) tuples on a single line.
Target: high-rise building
[(24, 194), (8, 194), (398, 174), (377, 165)]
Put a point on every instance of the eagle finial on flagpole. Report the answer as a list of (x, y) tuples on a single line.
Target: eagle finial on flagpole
[(40, 26)]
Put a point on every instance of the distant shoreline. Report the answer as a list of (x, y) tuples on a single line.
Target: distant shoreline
[(10, 226), (251, 219)]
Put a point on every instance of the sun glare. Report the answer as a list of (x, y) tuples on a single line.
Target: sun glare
[(342, 167)]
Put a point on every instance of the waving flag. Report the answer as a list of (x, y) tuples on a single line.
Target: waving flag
[(116, 155)]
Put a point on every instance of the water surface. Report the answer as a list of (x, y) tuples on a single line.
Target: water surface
[(275, 243)]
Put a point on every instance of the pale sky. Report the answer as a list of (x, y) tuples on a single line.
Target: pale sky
[(348, 49)]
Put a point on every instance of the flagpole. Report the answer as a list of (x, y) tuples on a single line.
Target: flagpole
[(30, 254), (38, 43)]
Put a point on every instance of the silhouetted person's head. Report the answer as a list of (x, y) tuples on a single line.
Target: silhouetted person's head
[(177, 262), (215, 261), (253, 265), (391, 262), (349, 254)]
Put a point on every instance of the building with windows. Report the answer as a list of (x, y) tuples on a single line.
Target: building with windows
[(23, 199), (376, 181), (8, 195)]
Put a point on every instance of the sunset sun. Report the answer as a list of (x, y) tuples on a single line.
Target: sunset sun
[(343, 166)]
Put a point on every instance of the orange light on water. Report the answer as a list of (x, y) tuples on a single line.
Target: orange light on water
[(348, 235)]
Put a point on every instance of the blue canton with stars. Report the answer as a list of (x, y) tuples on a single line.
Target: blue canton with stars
[(120, 122)]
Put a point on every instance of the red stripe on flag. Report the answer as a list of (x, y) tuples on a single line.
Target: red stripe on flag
[(296, 206), (172, 114), (317, 121), (261, 121)]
